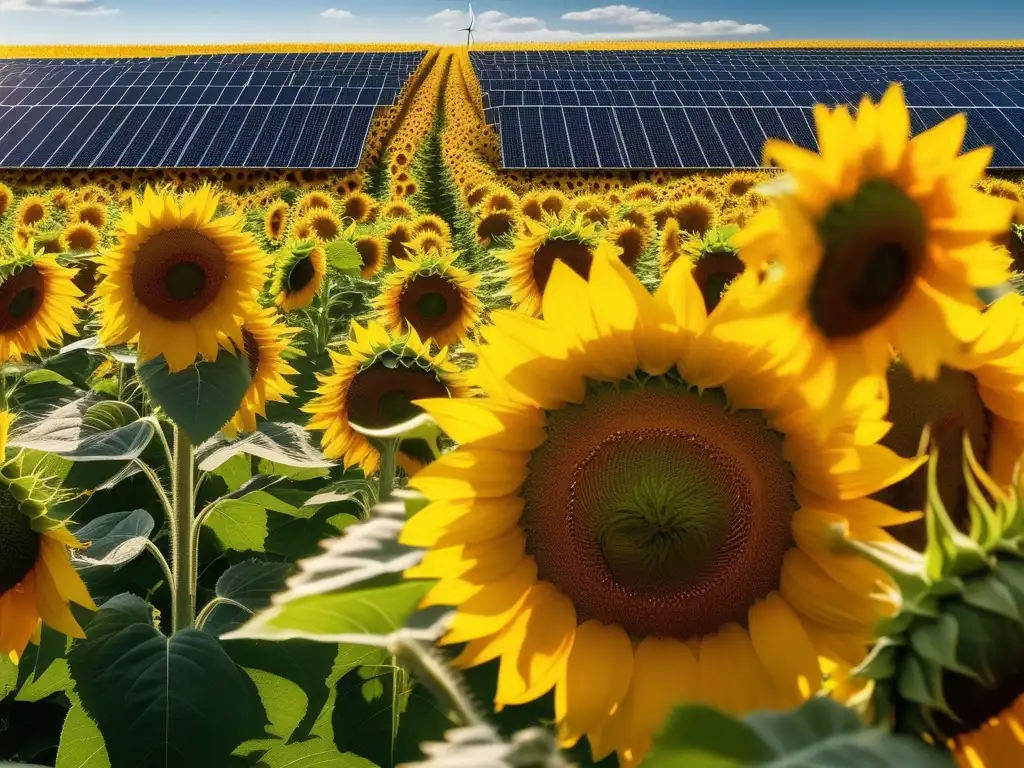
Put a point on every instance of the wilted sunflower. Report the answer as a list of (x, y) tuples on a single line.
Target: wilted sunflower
[(90, 213), (274, 220), (878, 241), (636, 517), (38, 304), (179, 279), (528, 264), (37, 581), (6, 197), (298, 274), (980, 394), (80, 236), (31, 210), (265, 339), (431, 294), (374, 385)]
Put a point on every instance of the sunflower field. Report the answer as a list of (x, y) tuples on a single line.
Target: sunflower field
[(435, 464)]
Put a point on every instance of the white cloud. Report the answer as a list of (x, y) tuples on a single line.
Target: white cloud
[(337, 13), (74, 7), (632, 23), (624, 15)]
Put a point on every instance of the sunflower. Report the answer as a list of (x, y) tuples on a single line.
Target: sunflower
[(477, 193), (372, 251), (90, 213), (358, 206), (22, 238), (643, 193), (631, 239), (274, 220), (695, 215), (61, 198), (298, 274), (670, 246), (302, 229), (93, 193), (313, 200), (529, 206), (48, 241), (398, 236), (38, 304), (179, 279), (6, 197), (80, 236), (637, 515), (264, 341), (396, 209), (323, 224), (980, 394), (594, 208), (714, 262), (432, 223), (528, 263), (426, 242), (431, 294), (499, 199), (878, 241), (494, 226), (37, 581), (374, 385), (637, 217), (738, 183), (32, 210)]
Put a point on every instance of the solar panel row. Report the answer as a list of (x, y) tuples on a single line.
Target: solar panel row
[(611, 109), (193, 112), (699, 137)]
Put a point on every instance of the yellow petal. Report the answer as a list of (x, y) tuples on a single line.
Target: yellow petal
[(480, 561), (592, 685), (471, 471), (664, 674), (462, 521), (487, 423), (493, 607), (785, 650), (849, 473)]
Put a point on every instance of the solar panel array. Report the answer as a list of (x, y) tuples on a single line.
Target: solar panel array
[(715, 108), (297, 110)]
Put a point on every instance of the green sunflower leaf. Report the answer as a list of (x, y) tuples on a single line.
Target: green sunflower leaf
[(160, 702), (342, 256), (820, 734), (242, 590), (75, 433), (238, 525), (286, 444), (202, 398), (81, 743), (115, 538)]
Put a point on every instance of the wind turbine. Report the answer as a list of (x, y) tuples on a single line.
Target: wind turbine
[(469, 30)]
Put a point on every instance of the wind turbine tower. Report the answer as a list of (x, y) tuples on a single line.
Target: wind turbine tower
[(469, 30)]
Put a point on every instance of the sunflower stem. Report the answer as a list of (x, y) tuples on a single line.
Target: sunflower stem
[(386, 472), (183, 598)]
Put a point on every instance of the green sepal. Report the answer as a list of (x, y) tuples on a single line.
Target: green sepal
[(1012, 575), (948, 551), (937, 641), (880, 663), (991, 594), (975, 643), (921, 682), (986, 526)]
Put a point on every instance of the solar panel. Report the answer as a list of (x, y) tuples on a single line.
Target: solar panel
[(715, 108), (238, 110)]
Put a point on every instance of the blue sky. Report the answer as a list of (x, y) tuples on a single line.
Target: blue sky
[(437, 21)]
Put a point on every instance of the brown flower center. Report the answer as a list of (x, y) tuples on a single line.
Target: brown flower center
[(21, 297), (576, 256), (178, 273), (19, 544)]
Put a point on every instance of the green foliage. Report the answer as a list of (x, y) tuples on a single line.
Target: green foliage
[(159, 701), (820, 734), (202, 398)]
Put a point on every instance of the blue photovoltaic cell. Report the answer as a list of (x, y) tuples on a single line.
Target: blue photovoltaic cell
[(304, 110), (716, 108)]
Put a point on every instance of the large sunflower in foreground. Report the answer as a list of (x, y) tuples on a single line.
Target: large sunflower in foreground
[(39, 303), (179, 279), (37, 581), (528, 263), (431, 294), (636, 517), (981, 394), (265, 339), (298, 274), (374, 385), (880, 240)]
